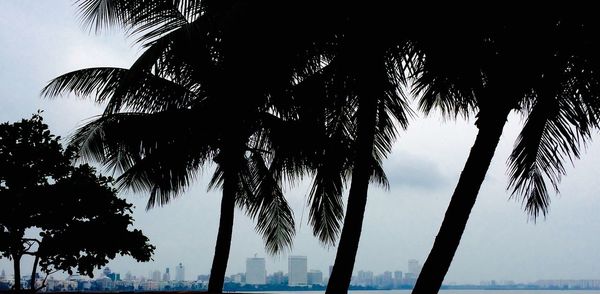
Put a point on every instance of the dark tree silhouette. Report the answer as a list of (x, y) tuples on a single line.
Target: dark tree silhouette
[(79, 220), (366, 80), (189, 76), (545, 67)]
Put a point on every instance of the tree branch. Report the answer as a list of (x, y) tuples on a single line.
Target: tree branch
[(44, 281)]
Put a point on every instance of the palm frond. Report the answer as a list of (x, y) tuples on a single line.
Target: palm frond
[(274, 217), (157, 153), (149, 19), (146, 93), (325, 198), (558, 124)]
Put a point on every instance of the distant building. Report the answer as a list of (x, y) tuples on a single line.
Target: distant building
[(155, 276), (203, 278), (297, 270), (106, 271), (387, 281), (314, 277), (256, 273), (180, 273), (2, 276), (166, 275), (128, 276), (414, 267), (398, 278), (238, 278), (364, 278), (277, 278)]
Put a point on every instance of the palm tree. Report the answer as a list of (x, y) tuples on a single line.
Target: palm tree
[(545, 67), (365, 74), (183, 81)]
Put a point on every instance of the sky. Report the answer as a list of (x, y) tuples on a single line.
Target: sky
[(40, 40)]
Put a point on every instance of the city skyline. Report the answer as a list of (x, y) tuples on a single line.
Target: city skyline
[(400, 224), (409, 271), (364, 278)]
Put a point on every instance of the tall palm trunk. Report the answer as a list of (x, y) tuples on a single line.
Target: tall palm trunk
[(17, 270), (223, 246), (357, 199), (438, 262)]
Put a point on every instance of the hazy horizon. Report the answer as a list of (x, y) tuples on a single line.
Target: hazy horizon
[(41, 40)]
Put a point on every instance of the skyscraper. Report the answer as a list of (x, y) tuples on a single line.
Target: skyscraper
[(155, 275), (398, 278), (414, 267), (166, 275), (180, 273), (256, 273), (297, 270)]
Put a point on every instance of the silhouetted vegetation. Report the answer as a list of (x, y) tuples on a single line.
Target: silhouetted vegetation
[(545, 67), (270, 91), (66, 217)]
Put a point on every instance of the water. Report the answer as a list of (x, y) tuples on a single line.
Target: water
[(458, 292)]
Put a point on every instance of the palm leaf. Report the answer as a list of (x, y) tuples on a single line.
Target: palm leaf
[(557, 125), (147, 93)]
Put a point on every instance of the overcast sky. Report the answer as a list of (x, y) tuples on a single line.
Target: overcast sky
[(40, 40)]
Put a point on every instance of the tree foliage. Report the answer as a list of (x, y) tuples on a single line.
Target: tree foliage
[(79, 222)]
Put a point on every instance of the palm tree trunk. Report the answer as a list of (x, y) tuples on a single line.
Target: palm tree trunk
[(438, 262), (33, 273), (219, 265), (357, 200), (17, 271)]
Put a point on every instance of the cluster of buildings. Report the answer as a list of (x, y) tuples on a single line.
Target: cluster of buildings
[(255, 277), (166, 276), (388, 279), (111, 281), (568, 284), (298, 275)]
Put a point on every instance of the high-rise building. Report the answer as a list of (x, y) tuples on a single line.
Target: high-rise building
[(155, 276), (180, 273), (166, 275), (314, 277), (256, 273), (398, 278), (414, 267), (387, 280), (297, 270), (364, 278)]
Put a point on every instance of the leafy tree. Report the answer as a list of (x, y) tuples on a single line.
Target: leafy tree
[(79, 221)]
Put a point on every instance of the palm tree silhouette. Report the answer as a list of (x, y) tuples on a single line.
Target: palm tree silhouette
[(171, 113), (544, 67), (364, 74)]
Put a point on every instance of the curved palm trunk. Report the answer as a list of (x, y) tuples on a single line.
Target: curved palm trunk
[(438, 262), (223, 245), (357, 200)]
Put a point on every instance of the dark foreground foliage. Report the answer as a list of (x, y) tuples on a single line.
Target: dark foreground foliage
[(67, 217)]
